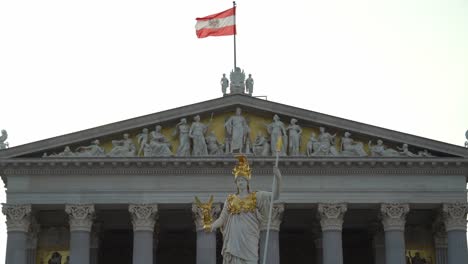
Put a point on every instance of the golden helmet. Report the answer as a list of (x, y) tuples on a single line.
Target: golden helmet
[(242, 168)]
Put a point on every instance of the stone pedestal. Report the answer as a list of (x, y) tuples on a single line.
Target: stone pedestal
[(273, 254), (455, 224), (18, 222), (206, 241), (143, 221), (393, 220), (81, 221), (331, 221)]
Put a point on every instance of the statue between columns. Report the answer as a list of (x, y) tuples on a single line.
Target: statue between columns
[(241, 217)]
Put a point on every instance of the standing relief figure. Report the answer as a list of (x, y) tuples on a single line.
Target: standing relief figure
[(249, 83), (241, 216), (237, 131), (224, 84), (142, 140), (313, 146), (197, 134), (351, 148), (182, 129), (294, 133), (277, 130)]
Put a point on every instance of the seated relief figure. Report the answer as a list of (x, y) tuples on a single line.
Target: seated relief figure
[(261, 147), (351, 148), (294, 133), (405, 152), (93, 150), (123, 147), (182, 129), (380, 150), (313, 146), (65, 153), (213, 145), (241, 216), (159, 146), (277, 130), (326, 144)]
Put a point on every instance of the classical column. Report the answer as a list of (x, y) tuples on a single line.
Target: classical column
[(273, 254), (18, 221), (378, 243), (440, 242), (331, 221), (455, 224), (33, 234), (81, 221), (94, 247), (393, 220), (318, 250), (143, 221), (206, 241)]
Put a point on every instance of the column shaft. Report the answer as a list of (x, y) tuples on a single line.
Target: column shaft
[(206, 247), (80, 247), (16, 248), (142, 247), (332, 247), (394, 247), (273, 256), (457, 247), (441, 256)]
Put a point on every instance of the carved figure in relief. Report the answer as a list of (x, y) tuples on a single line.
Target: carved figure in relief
[(182, 129), (313, 146), (261, 147), (142, 140), (237, 131), (241, 216), (351, 148), (327, 144), (123, 147), (56, 258), (249, 83), (237, 77), (197, 134), (380, 150), (3, 138), (65, 153), (294, 133), (404, 151), (93, 150), (466, 142), (159, 146), (224, 84), (277, 130), (213, 145), (425, 153)]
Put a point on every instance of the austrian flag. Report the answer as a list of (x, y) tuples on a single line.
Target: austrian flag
[(220, 24)]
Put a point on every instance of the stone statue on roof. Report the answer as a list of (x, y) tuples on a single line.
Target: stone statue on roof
[(3, 138)]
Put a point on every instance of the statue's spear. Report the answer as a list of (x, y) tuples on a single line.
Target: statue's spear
[(279, 147)]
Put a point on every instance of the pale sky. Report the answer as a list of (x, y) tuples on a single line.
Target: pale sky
[(71, 65)]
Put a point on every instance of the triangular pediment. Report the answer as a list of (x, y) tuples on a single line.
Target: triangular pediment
[(258, 113)]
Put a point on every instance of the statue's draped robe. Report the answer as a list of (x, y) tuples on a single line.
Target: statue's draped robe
[(241, 231)]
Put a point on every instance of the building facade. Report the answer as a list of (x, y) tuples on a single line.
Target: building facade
[(125, 192)]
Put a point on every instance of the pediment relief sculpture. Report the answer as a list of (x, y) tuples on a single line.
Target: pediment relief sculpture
[(228, 134), (3, 138)]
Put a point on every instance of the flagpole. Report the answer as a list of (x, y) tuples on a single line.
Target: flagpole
[(235, 33)]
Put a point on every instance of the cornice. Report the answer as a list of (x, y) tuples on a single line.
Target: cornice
[(224, 165)]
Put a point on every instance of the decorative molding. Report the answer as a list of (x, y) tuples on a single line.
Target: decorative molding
[(331, 216), (80, 216), (143, 216), (394, 216), (198, 213), (276, 218), (223, 166), (18, 217), (455, 216)]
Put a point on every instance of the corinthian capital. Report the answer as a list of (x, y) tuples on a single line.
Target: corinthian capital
[(276, 218), (80, 216), (331, 216), (203, 214), (394, 216), (18, 217), (455, 216), (143, 216)]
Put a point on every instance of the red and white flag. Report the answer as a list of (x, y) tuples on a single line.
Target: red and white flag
[(220, 24)]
